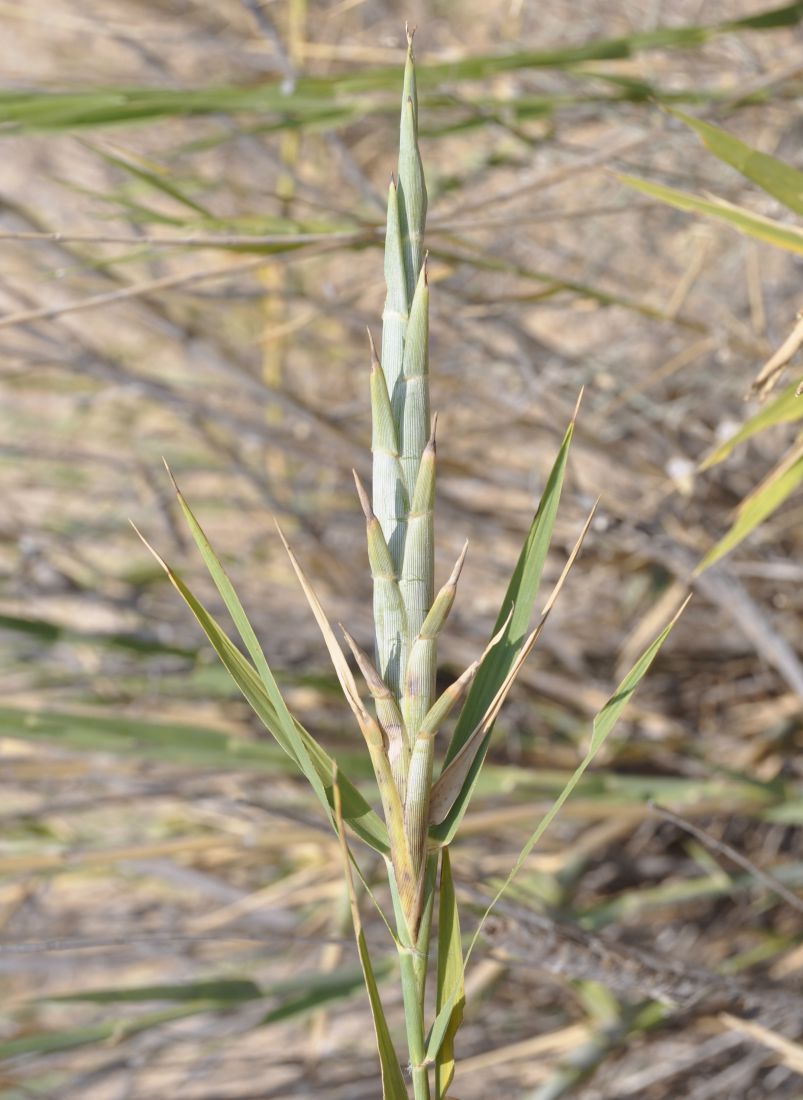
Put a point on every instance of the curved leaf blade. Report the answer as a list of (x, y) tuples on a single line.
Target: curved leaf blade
[(778, 179), (450, 976), (785, 409), (393, 1086), (761, 503), (521, 595), (752, 225), (299, 745)]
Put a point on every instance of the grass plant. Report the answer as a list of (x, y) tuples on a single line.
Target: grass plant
[(424, 778)]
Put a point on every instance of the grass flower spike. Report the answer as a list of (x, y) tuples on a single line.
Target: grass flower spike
[(424, 779)]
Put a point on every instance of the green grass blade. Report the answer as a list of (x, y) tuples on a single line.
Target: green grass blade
[(50, 1042), (157, 178), (310, 758), (333, 100), (393, 1086), (186, 743), (603, 724), (752, 225), (761, 503), (221, 991), (283, 718), (785, 409), (450, 976), (778, 179), (521, 595)]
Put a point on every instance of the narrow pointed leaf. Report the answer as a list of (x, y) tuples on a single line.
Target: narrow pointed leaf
[(450, 976), (603, 724), (778, 179), (453, 787), (336, 654), (761, 503), (312, 761), (521, 595), (785, 409), (753, 225), (393, 1086)]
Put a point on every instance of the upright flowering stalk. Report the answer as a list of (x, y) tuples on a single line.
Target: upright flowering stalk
[(420, 814)]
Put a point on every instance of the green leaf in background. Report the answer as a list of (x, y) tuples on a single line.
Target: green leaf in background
[(450, 976), (331, 100), (752, 225), (780, 180), (779, 484), (50, 1042), (603, 724), (155, 177), (298, 996), (785, 409), (183, 742), (222, 991), (301, 994), (521, 596)]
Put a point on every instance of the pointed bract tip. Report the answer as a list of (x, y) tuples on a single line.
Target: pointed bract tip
[(365, 502), (432, 442), (409, 33), (454, 576), (353, 645), (374, 357), (392, 184)]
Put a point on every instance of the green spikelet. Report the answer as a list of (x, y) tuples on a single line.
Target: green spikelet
[(412, 411), (412, 187), (416, 580), (402, 498), (388, 713), (390, 617)]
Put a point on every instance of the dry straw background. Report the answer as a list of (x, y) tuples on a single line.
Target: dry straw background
[(149, 835)]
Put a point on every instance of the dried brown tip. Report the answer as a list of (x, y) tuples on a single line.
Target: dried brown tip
[(410, 34), (170, 475), (148, 546), (285, 543), (577, 405), (365, 502), (425, 268)]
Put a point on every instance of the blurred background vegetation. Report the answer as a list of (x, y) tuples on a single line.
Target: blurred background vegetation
[(191, 203)]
